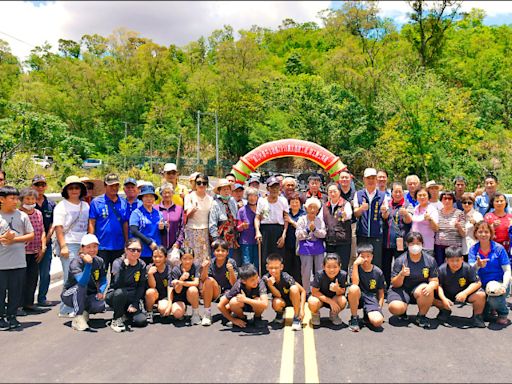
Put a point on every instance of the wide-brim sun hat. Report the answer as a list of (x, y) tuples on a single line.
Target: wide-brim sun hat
[(99, 186), (147, 190), (73, 179), (221, 183)]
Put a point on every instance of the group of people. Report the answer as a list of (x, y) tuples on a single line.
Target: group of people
[(158, 250)]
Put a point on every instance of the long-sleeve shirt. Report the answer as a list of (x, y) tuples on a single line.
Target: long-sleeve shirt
[(131, 277), (311, 242), (174, 230)]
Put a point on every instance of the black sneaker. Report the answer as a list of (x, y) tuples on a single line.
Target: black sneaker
[(21, 312), (279, 318), (422, 321), (14, 323), (403, 317), (353, 324), (258, 322), (443, 316), (478, 321), (4, 325)]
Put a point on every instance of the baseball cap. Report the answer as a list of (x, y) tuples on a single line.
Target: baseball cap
[(237, 186), (368, 172), (253, 180), (169, 167), (272, 180), (130, 180), (89, 238), (38, 179), (111, 179)]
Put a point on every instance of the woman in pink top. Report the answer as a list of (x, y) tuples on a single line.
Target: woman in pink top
[(425, 220), (498, 217)]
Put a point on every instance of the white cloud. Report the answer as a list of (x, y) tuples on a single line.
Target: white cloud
[(163, 22)]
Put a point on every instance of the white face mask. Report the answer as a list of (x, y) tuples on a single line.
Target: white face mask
[(29, 207), (415, 249)]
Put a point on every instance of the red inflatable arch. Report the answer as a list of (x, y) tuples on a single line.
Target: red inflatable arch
[(286, 148)]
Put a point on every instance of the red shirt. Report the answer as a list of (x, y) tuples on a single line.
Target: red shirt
[(500, 228)]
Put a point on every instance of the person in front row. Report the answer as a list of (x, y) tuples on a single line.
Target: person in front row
[(249, 294), (127, 287), (458, 282), (218, 277), (367, 289), (85, 287), (328, 288), (413, 280), (158, 285), (286, 292), (185, 283)]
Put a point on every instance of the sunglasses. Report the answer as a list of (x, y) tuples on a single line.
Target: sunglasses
[(134, 250), (37, 184), (447, 198), (467, 202), (205, 183)]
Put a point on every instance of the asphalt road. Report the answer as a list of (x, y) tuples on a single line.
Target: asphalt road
[(46, 349)]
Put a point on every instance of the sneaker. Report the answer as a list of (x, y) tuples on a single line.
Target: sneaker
[(443, 315), (258, 322), (422, 321), (85, 314), (79, 323), (207, 319), (4, 324), (315, 319), (279, 318), (149, 317), (67, 315), (21, 312), (44, 304), (503, 320), (14, 323), (478, 321), (296, 324), (353, 325), (335, 319), (403, 317), (195, 319), (118, 325)]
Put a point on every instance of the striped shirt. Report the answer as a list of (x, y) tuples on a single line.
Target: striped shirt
[(448, 235), (36, 219)]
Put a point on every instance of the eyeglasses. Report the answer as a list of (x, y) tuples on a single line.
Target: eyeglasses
[(134, 250), (447, 198), (36, 184), (171, 172), (467, 202), (205, 183)]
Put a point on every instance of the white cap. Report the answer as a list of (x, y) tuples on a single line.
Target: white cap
[(368, 172), (140, 183), (89, 238), (168, 167)]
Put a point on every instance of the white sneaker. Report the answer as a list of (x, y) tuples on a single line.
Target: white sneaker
[(79, 323), (117, 325), (195, 319), (335, 319), (86, 316), (296, 324), (315, 319), (207, 319), (69, 315)]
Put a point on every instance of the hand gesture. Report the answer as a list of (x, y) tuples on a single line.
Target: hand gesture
[(153, 245), (359, 260), (496, 223), (458, 225), (132, 309), (311, 226), (479, 190), (86, 258), (364, 206), (161, 224), (481, 263), (126, 261), (402, 211), (334, 287), (271, 281), (152, 270), (245, 225), (230, 267), (383, 209), (184, 276), (406, 271), (461, 297), (206, 263), (427, 216)]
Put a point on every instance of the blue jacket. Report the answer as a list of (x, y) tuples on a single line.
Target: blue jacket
[(369, 224)]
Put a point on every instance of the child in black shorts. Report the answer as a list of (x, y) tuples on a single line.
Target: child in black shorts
[(413, 280), (459, 282), (328, 287), (158, 287), (286, 292), (249, 294), (367, 289), (218, 277), (185, 283)]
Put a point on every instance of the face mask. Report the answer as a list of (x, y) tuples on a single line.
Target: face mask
[(415, 249), (29, 207), (225, 198)]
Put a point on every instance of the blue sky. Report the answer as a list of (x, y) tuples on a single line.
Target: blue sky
[(27, 24)]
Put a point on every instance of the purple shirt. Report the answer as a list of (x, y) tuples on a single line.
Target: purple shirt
[(245, 214), (173, 217)]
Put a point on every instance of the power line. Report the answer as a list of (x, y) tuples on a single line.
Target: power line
[(15, 38)]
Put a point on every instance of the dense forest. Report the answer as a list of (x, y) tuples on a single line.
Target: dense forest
[(432, 98)]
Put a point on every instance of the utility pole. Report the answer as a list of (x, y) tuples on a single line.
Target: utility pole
[(178, 152)]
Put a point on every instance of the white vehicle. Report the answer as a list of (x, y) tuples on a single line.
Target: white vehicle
[(44, 162), (92, 163)]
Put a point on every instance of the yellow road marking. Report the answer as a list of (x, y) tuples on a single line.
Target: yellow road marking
[(288, 352), (310, 364)]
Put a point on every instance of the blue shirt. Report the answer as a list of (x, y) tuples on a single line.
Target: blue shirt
[(497, 258), (110, 218), (130, 208), (482, 204), (147, 222), (410, 199)]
